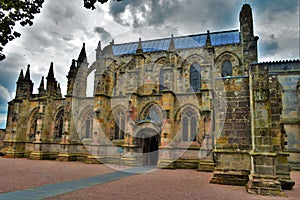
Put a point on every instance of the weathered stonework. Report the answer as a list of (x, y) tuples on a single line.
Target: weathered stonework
[(199, 102), (2, 144)]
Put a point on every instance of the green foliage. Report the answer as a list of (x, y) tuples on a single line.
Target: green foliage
[(90, 4), (13, 11)]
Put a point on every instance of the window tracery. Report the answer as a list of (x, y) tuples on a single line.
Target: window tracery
[(195, 77), (189, 121), (226, 69), (59, 121)]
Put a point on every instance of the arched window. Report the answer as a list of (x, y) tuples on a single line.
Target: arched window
[(119, 124), (161, 80), (189, 120), (89, 125), (59, 121), (226, 69), (195, 77), (33, 125), (153, 113)]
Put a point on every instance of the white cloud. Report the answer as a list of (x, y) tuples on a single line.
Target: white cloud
[(3, 121), (5, 94)]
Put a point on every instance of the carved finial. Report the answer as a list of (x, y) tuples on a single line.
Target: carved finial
[(51, 72), (172, 44), (27, 75), (21, 76), (140, 47), (58, 90), (208, 41), (99, 45), (82, 56), (42, 83)]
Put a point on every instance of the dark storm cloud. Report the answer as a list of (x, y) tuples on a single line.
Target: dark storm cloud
[(102, 33), (275, 5), (271, 47), (5, 97), (144, 13), (3, 105), (59, 12), (13, 63), (8, 80)]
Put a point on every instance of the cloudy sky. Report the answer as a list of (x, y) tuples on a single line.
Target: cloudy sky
[(62, 26)]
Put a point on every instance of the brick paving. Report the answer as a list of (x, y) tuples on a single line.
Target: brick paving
[(22, 174)]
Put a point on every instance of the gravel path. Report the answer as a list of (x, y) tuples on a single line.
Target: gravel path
[(20, 174), (16, 174)]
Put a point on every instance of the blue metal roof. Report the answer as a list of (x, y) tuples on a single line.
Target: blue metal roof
[(183, 42)]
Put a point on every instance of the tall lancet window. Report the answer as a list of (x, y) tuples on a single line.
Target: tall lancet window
[(33, 125), (59, 121), (226, 69), (119, 118), (195, 77), (89, 125), (189, 121), (161, 80)]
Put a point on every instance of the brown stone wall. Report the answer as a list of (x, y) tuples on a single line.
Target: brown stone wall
[(2, 137), (234, 119), (232, 131)]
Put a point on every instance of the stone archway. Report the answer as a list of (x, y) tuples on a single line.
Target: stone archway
[(149, 141)]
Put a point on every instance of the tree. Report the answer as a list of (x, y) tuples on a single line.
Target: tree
[(13, 11), (23, 11)]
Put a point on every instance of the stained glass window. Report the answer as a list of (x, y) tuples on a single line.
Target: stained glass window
[(161, 80), (226, 69), (195, 77)]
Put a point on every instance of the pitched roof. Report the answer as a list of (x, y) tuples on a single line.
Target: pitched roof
[(183, 42)]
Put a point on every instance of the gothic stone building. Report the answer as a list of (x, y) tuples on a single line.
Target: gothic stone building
[(197, 101)]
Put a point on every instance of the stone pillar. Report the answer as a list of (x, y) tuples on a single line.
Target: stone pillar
[(232, 131), (263, 179), (165, 159)]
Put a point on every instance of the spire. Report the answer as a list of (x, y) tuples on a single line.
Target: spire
[(27, 75), (73, 65), (208, 41), (73, 71), (98, 51), (58, 90), (42, 84), (41, 89), (82, 56), (246, 19), (99, 46), (24, 84), (51, 73), (21, 76), (172, 44), (140, 47)]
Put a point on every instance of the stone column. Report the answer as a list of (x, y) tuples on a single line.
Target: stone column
[(232, 131), (263, 179)]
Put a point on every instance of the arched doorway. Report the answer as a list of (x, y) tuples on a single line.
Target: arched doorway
[(149, 141)]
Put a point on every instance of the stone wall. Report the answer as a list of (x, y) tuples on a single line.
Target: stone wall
[(2, 137), (233, 131), (288, 73)]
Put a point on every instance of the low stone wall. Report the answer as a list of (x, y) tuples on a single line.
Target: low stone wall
[(2, 137)]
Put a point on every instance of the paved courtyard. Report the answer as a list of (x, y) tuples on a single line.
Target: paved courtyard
[(28, 179)]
